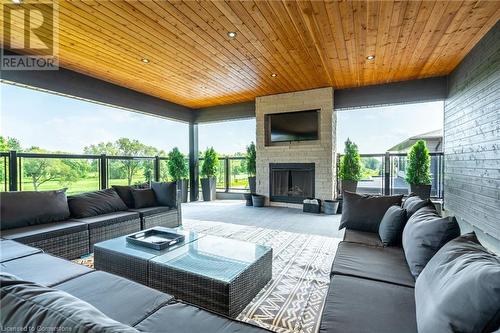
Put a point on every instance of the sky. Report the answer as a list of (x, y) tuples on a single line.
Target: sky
[(58, 123)]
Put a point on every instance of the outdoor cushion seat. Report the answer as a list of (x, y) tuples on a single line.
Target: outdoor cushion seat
[(183, 318), (362, 237), (149, 211), (107, 219), (120, 299), (10, 250), (44, 269), (366, 306), (386, 264), (41, 232)]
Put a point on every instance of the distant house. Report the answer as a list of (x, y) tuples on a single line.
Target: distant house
[(434, 142)]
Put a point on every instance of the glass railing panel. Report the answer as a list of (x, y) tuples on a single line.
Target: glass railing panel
[(238, 177), (372, 175), (135, 171), (4, 173)]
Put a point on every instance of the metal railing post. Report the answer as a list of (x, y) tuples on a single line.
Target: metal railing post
[(227, 178), (13, 170), (157, 169), (103, 171), (387, 174)]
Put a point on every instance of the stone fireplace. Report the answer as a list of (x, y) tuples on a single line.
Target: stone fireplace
[(288, 172)]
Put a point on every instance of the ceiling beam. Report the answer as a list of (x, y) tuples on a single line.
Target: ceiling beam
[(236, 111)]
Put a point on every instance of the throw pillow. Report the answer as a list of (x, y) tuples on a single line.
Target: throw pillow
[(414, 203), (144, 198), (424, 234), (95, 203), (459, 289), (364, 212), (391, 227), (166, 193), (22, 209), (125, 193)]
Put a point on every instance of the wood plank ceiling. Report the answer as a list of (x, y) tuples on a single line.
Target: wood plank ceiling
[(308, 44)]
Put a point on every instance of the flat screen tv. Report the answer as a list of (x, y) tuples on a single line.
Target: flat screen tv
[(293, 126)]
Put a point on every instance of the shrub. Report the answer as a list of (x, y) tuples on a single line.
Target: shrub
[(350, 163), (210, 163), (251, 157), (419, 164), (177, 166)]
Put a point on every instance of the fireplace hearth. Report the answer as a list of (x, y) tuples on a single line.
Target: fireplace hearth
[(291, 182)]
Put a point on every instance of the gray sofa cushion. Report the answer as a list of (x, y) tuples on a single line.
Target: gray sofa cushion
[(40, 232), (107, 219), (386, 264), (459, 289), (125, 193), (366, 306), (414, 203), (29, 307), (364, 212), (22, 209), (166, 193), (10, 250), (120, 299), (183, 318), (144, 198), (44, 269), (95, 203), (424, 234), (362, 237), (391, 227), (149, 211)]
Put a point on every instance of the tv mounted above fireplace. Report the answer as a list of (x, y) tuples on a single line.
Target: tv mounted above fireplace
[(292, 126)]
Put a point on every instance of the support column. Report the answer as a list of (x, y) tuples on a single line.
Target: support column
[(194, 177)]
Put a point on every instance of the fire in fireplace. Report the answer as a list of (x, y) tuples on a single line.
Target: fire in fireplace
[(291, 182)]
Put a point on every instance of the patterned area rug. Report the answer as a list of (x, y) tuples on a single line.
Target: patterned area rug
[(293, 300)]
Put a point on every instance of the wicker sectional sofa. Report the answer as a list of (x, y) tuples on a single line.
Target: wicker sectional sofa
[(69, 227)]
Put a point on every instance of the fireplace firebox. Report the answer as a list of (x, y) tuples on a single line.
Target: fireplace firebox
[(291, 182)]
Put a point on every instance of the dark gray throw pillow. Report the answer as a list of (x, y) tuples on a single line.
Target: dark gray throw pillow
[(391, 227), (144, 198), (424, 234), (414, 203), (459, 289), (95, 203), (166, 193), (22, 209), (364, 212), (125, 193)]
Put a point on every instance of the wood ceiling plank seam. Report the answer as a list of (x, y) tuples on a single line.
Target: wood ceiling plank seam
[(387, 14), (235, 51), (335, 20), (360, 24), (214, 62), (397, 22), (374, 34), (259, 40), (329, 42), (295, 53), (309, 18), (287, 61), (304, 35), (346, 14)]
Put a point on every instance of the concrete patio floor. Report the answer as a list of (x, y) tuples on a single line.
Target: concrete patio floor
[(280, 218)]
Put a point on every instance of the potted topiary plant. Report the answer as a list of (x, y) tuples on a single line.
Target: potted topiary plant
[(350, 167), (251, 166), (178, 170), (208, 173), (418, 173)]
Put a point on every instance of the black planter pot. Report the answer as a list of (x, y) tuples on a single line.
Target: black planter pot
[(208, 187), (349, 185), (252, 184), (423, 191), (182, 186), (248, 198), (330, 207), (258, 200)]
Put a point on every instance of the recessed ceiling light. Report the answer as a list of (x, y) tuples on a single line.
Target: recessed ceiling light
[(231, 34), (370, 57), (274, 75), (145, 60), (16, 1)]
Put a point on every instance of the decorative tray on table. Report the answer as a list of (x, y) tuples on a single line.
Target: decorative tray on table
[(155, 238)]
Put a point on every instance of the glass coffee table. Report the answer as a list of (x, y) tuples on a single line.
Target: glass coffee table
[(216, 273)]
